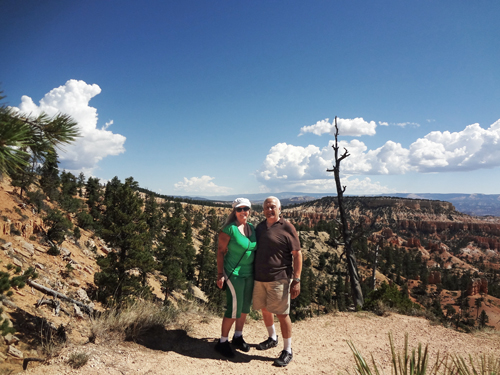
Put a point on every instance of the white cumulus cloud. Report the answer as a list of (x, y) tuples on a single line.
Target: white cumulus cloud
[(288, 166), (347, 127), (94, 144), (466, 150), (202, 185)]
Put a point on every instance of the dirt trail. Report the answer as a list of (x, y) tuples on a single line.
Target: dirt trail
[(319, 344)]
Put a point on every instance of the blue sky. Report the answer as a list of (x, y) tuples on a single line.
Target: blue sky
[(207, 98)]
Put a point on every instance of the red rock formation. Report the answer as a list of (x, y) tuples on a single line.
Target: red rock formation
[(479, 285), (412, 242), (434, 277)]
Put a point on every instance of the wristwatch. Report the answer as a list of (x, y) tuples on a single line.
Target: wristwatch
[(296, 279)]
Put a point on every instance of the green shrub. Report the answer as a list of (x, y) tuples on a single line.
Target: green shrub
[(390, 297)]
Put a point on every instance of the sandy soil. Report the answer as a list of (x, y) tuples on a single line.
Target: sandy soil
[(319, 344)]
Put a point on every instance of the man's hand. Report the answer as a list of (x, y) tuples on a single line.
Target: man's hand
[(295, 289)]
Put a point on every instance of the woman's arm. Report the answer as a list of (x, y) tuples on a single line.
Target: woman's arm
[(221, 252)]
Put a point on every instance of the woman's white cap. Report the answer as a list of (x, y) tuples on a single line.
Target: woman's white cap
[(241, 202)]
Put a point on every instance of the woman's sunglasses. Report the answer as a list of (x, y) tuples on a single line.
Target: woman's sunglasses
[(239, 209)]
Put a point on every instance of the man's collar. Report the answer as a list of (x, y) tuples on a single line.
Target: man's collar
[(280, 221)]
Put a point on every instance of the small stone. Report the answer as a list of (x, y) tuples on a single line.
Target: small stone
[(78, 312), (17, 262), (15, 351), (7, 245), (41, 249), (28, 247), (11, 339), (65, 252), (82, 295)]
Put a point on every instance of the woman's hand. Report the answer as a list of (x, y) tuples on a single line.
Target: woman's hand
[(220, 280)]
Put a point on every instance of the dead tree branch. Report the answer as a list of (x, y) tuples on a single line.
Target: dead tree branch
[(89, 310)]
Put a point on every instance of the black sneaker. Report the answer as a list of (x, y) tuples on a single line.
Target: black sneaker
[(268, 344), (225, 349), (284, 359), (239, 343)]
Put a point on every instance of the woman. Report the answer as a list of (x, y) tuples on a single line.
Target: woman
[(235, 257)]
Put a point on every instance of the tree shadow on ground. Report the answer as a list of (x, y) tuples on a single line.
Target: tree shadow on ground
[(180, 342)]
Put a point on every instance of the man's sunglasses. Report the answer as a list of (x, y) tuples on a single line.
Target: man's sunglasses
[(239, 209)]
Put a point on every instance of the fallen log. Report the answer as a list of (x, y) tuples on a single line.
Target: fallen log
[(89, 310), (54, 303)]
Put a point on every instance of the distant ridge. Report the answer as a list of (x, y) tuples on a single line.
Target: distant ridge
[(471, 204)]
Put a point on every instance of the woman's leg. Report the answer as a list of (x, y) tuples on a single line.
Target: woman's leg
[(227, 323), (240, 322)]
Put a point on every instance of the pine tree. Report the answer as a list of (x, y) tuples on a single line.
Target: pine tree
[(124, 270), (153, 216), (172, 252), (58, 225), (483, 319), (80, 184), (93, 195), (23, 137), (49, 176), (206, 262)]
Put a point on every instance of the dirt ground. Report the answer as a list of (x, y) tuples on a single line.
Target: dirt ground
[(319, 345)]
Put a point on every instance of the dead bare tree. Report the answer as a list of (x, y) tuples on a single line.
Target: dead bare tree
[(352, 266)]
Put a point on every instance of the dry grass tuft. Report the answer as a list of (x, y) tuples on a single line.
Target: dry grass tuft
[(78, 359), (131, 321)]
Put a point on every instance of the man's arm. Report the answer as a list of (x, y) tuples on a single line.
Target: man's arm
[(297, 270)]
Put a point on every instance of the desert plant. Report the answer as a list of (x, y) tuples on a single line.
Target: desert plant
[(78, 359), (487, 366), (417, 363)]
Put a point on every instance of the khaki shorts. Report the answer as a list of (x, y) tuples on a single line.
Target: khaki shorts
[(274, 296)]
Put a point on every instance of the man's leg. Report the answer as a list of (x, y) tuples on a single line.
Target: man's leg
[(286, 330), (272, 341), (286, 326)]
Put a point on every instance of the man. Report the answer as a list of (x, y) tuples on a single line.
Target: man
[(278, 264)]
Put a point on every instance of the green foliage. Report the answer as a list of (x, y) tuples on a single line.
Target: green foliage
[(58, 225), (37, 199), (85, 220), (175, 251), (6, 283), (49, 175), (54, 250), (390, 296), (94, 198), (124, 271)]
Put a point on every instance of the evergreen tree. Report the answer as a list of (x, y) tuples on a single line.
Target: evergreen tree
[(153, 216), (172, 251), (190, 250), (69, 189), (124, 270), (24, 138), (93, 195), (58, 225), (206, 263), (49, 176), (483, 319), (80, 184)]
